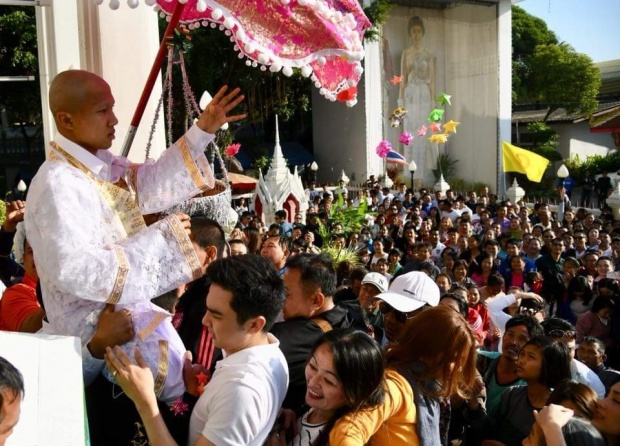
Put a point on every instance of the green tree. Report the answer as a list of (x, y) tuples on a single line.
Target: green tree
[(545, 140), (550, 72), (527, 33), (565, 79)]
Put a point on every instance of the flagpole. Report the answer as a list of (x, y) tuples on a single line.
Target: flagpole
[(150, 82)]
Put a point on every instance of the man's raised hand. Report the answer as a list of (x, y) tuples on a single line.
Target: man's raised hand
[(14, 214), (215, 114)]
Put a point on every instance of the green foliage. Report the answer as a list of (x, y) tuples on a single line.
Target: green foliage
[(545, 140), (19, 41), (18, 57), (564, 78), (547, 71), (527, 33), (339, 254), (2, 211), (377, 12), (595, 164), (261, 162), (446, 165), (351, 219), (461, 186)]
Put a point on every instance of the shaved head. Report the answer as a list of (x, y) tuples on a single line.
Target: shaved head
[(82, 105), (70, 89)]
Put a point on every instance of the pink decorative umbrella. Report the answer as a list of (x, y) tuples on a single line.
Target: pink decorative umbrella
[(323, 38)]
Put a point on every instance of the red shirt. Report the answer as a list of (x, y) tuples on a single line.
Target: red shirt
[(17, 303)]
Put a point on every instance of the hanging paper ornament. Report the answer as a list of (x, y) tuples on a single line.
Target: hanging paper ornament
[(435, 115), (444, 99), (405, 138), (422, 131), (435, 127), (396, 80), (384, 148), (439, 138), (396, 119), (450, 126)]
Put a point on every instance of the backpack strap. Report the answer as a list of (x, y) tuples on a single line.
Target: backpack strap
[(323, 324)]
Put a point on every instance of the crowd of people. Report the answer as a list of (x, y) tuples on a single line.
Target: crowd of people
[(457, 320)]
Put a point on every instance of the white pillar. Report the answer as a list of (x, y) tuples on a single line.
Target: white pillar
[(58, 42), (373, 106), (504, 51)]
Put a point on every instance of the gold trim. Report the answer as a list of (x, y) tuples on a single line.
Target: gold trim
[(162, 367), (142, 334), (190, 165), (186, 245), (121, 275), (117, 195)]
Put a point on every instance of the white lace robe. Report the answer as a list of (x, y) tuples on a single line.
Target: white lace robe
[(83, 255)]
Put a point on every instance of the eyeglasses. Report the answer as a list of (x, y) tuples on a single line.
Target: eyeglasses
[(561, 334), (401, 317), (527, 311)]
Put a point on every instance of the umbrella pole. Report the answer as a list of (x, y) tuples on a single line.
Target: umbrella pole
[(150, 82)]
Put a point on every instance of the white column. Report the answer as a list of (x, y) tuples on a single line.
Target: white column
[(58, 44), (373, 105), (504, 51)]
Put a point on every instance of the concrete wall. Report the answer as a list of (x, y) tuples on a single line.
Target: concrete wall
[(576, 139)]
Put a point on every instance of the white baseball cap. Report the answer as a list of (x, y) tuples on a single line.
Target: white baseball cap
[(378, 280), (410, 292)]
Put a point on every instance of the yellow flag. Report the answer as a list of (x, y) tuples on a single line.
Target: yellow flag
[(520, 160)]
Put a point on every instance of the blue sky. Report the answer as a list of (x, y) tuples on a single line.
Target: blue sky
[(590, 26)]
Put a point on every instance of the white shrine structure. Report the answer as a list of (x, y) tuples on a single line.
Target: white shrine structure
[(280, 189)]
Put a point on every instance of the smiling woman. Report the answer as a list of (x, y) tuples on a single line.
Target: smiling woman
[(337, 355)]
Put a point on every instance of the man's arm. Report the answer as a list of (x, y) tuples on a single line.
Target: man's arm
[(113, 328), (184, 172), (76, 252)]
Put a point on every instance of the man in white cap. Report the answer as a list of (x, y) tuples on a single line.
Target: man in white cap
[(372, 285), (408, 295)]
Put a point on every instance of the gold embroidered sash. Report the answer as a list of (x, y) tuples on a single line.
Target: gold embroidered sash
[(116, 195)]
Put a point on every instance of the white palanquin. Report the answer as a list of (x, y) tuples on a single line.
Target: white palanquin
[(280, 189)]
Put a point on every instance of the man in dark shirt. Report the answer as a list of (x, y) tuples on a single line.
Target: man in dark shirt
[(603, 187), (550, 266), (308, 312), (191, 308), (591, 352)]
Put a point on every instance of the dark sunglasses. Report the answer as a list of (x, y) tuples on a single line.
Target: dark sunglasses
[(561, 334), (401, 317)]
